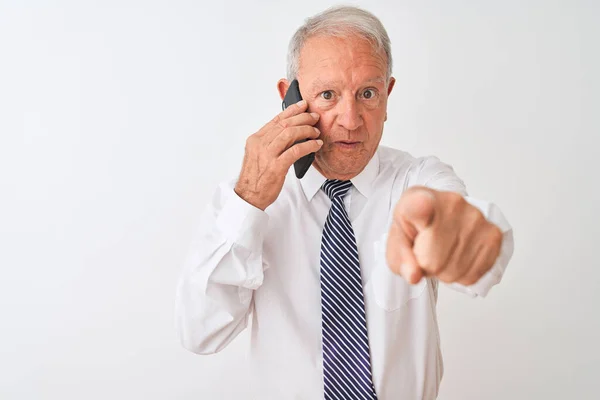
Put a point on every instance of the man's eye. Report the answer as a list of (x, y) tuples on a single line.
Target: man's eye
[(369, 94), (327, 95)]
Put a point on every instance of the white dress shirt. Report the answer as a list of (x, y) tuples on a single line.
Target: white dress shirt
[(264, 265)]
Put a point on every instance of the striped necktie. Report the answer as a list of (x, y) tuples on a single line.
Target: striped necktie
[(346, 357)]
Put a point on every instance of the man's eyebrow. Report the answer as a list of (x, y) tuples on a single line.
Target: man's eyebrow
[(320, 84), (378, 79)]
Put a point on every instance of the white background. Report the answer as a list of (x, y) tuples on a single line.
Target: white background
[(119, 118)]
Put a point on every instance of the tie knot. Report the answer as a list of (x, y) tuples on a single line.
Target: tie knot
[(336, 188)]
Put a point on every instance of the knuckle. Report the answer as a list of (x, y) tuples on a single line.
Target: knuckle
[(288, 134), (495, 235), (296, 151), (456, 200), (446, 277), (475, 219), (251, 142), (494, 244), (283, 123), (455, 203), (276, 119), (470, 279), (479, 271)]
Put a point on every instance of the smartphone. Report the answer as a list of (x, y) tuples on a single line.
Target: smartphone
[(292, 96)]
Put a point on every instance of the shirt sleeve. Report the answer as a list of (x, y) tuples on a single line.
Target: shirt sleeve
[(439, 176), (223, 268)]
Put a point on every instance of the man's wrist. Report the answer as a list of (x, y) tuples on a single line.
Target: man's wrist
[(249, 197)]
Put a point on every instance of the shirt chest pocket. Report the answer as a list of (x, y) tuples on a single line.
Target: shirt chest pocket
[(391, 291)]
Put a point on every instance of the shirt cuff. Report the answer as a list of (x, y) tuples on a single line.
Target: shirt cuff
[(493, 214), (242, 223)]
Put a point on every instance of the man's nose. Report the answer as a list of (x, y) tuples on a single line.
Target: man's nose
[(349, 116)]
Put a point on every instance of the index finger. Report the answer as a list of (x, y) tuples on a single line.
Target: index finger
[(292, 110), (417, 207), (400, 256)]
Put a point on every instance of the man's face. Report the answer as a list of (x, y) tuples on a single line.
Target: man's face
[(344, 80)]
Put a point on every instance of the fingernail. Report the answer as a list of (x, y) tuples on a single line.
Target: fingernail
[(320, 142), (318, 131), (315, 115), (301, 103)]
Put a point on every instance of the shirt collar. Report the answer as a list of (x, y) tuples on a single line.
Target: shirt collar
[(313, 180)]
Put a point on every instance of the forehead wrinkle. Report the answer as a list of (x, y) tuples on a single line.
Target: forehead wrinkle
[(346, 57), (320, 84), (378, 79)]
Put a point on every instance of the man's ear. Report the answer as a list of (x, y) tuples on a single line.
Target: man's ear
[(391, 85), (282, 87), (389, 90)]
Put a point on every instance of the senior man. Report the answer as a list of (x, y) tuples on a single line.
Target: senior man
[(338, 270)]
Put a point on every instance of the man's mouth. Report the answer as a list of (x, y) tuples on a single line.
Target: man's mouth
[(346, 144)]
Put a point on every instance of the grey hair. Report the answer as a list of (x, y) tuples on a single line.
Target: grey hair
[(339, 21)]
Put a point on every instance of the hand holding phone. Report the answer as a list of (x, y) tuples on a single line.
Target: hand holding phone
[(293, 96), (271, 151)]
